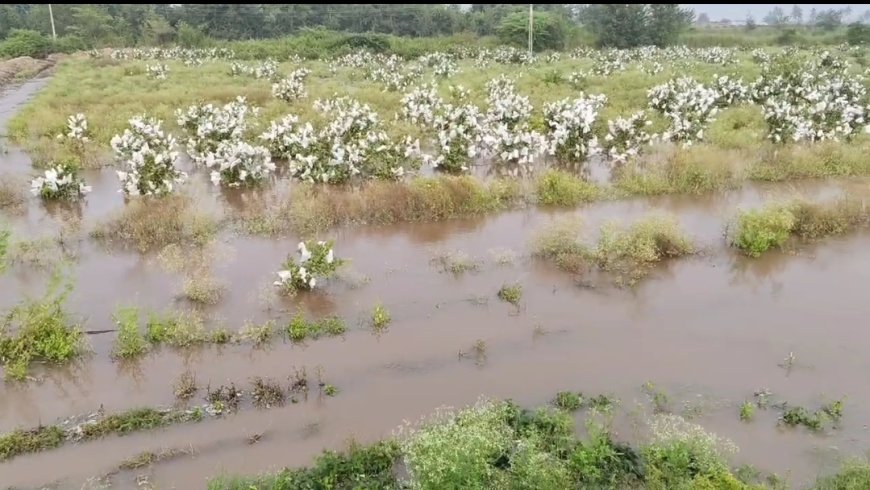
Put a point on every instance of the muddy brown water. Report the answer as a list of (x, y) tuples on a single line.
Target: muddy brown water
[(708, 330)]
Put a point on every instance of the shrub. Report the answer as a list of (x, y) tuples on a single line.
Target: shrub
[(22, 42), (756, 231), (380, 317), (39, 330), (511, 293)]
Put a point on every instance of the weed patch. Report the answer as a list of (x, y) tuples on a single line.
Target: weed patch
[(149, 223), (559, 243), (560, 188), (631, 252), (266, 393), (40, 330), (30, 441), (300, 329), (185, 386), (176, 329), (511, 293), (380, 318), (130, 343)]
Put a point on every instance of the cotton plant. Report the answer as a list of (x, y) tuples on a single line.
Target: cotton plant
[(626, 137), (208, 125), (421, 105), (77, 128), (459, 138), (689, 106), (570, 134), (316, 260), (60, 182), (157, 71), (729, 90), (507, 133), (292, 87), (236, 163), (351, 144), (147, 154)]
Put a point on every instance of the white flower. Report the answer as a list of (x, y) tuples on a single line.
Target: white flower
[(330, 257)]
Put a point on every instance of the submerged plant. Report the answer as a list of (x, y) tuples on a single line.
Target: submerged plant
[(129, 343), (40, 331), (380, 317), (60, 182), (316, 260), (511, 293)]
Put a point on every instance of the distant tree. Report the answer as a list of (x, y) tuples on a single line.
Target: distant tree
[(617, 25), (549, 30), (666, 22), (725, 22), (627, 25), (776, 17), (830, 19), (858, 33), (750, 23), (797, 15), (813, 16), (703, 19)]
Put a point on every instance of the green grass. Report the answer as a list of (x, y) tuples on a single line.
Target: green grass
[(259, 335), (299, 329), (203, 289), (150, 223), (4, 247), (568, 400), (380, 317), (30, 441), (797, 415), (40, 330), (130, 343), (855, 475), (176, 329), (559, 188), (756, 231), (747, 411), (631, 252), (511, 293), (559, 242)]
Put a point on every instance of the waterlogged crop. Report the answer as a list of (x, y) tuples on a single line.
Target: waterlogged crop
[(569, 124), (626, 137), (147, 154), (353, 143), (208, 126), (60, 182), (158, 71), (688, 105), (316, 260), (236, 163)]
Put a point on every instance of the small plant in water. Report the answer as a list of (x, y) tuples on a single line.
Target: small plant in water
[(747, 411), (330, 390), (60, 182), (129, 343), (185, 386), (380, 317), (511, 293), (223, 399), (568, 400), (266, 393), (39, 330), (315, 260)]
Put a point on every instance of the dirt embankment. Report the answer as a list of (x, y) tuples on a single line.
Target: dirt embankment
[(23, 67)]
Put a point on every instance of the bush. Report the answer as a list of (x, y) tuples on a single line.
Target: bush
[(549, 31), (369, 42), (857, 34), (22, 42), (758, 230)]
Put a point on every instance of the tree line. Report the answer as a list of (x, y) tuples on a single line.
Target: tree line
[(97, 25)]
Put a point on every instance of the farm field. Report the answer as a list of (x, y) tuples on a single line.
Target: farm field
[(208, 293)]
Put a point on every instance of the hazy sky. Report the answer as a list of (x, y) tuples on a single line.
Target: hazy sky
[(717, 11)]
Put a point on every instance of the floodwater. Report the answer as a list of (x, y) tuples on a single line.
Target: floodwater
[(708, 330)]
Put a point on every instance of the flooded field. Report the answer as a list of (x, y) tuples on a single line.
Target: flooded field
[(710, 330)]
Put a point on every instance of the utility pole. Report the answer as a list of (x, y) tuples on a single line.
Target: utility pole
[(51, 15), (531, 27)]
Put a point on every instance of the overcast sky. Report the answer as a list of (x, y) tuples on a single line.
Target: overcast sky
[(718, 11)]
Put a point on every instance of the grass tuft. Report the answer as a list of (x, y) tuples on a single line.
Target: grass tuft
[(511, 293), (300, 329), (631, 252), (560, 188), (558, 242), (39, 330), (130, 343), (267, 393), (380, 317), (176, 329), (149, 223)]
